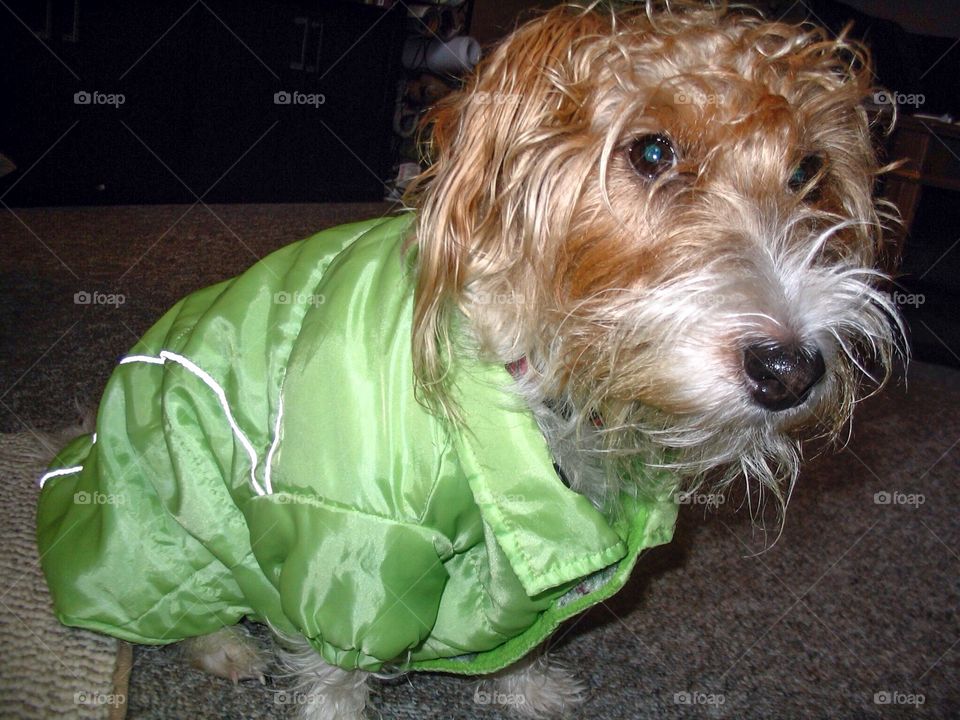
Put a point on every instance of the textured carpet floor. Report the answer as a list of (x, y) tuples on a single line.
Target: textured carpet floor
[(48, 670), (857, 598)]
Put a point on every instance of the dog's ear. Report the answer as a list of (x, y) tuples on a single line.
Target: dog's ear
[(498, 150)]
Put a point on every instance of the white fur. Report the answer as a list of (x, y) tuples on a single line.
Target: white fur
[(534, 688), (646, 365), (320, 691)]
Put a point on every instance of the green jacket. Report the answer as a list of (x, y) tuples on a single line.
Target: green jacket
[(261, 453)]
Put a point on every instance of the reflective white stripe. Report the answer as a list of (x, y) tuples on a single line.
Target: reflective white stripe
[(58, 473), (273, 446), (143, 358), (221, 396)]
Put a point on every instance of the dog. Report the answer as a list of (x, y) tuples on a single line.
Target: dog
[(646, 257)]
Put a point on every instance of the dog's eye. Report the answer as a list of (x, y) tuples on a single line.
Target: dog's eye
[(652, 155), (807, 171)]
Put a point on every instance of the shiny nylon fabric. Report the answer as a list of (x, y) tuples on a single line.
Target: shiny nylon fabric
[(261, 453)]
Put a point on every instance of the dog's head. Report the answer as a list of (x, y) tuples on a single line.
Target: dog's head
[(670, 215)]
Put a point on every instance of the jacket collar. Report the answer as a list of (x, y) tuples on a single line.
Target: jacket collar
[(549, 534)]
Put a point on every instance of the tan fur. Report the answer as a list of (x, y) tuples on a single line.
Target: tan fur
[(535, 228), (636, 299)]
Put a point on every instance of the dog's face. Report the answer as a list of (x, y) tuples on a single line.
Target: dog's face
[(671, 217)]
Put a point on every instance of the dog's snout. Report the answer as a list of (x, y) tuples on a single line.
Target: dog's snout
[(780, 376)]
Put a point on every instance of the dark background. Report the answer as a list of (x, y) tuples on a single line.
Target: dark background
[(199, 81), (199, 121), (199, 78)]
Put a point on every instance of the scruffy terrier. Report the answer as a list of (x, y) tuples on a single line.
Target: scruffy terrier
[(645, 257)]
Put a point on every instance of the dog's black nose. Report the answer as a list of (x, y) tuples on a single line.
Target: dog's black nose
[(781, 376)]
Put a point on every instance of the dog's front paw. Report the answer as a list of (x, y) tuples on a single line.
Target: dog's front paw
[(229, 653), (536, 688)]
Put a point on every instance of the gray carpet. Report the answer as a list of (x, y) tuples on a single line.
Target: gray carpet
[(857, 598), (49, 670)]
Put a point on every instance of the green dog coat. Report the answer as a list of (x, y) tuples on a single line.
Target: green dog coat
[(261, 453)]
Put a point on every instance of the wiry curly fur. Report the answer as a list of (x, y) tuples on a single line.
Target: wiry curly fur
[(632, 300)]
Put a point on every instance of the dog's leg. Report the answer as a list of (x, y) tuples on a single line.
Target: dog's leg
[(229, 653), (322, 691), (536, 688)]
